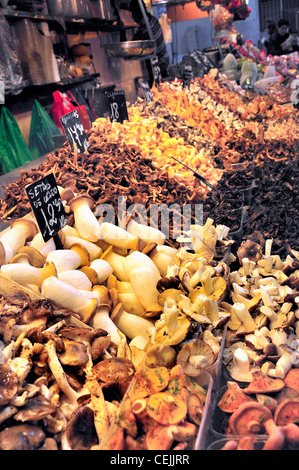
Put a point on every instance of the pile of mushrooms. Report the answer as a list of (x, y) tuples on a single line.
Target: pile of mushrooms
[(263, 304), (49, 359), (266, 406), (96, 306), (161, 410)]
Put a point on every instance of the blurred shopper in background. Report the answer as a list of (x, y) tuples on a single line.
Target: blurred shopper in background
[(142, 34), (270, 29), (278, 38), (292, 42)]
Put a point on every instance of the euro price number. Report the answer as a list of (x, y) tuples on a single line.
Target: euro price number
[(117, 106), (47, 206), (146, 91), (75, 131)]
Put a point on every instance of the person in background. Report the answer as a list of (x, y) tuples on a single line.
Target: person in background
[(278, 38), (270, 29), (292, 43), (142, 34)]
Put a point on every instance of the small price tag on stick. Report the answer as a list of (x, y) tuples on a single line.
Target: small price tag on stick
[(187, 75), (74, 130), (47, 207), (147, 92), (156, 70), (117, 105)]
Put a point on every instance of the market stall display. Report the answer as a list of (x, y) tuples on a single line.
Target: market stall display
[(108, 341)]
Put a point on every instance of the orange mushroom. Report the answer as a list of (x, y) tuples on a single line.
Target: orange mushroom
[(195, 408), (149, 380), (166, 408), (232, 398), (263, 384), (246, 443), (267, 401), (291, 380), (287, 412), (158, 439), (249, 419), (117, 439)]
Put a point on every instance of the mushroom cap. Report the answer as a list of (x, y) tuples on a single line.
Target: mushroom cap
[(8, 384), (158, 355), (249, 419), (91, 274), (183, 328), (165, 408), (173, 294), (232, 398), (148, 381), (291, 380), (80, 431), (21, 437), (20, 258), (75, 354), (195, 356), (114, 370), (75, 201), (251, 250), (195, 408), (82, 252), (35, 409), (287, 412), (35, 257), (219, 287), (158, 439), (263, 384), (67, 194)]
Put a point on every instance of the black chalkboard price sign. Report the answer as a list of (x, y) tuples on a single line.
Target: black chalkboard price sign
[(117, 105), (47, 207), (74, 130)]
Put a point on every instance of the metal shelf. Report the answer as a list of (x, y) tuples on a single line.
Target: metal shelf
[(35, 91), (66, 23)]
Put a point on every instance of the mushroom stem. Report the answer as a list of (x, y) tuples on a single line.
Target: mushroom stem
[(276, 437), (67, 296), (244, 316), (98, 406), (145, 232), (254, 427), (131, 325), (24, 273), (58, 372), (85, 221), (117, 236), (93, 250), (18, 233)]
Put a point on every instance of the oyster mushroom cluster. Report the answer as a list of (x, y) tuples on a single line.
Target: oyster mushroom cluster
[(263, 328)]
